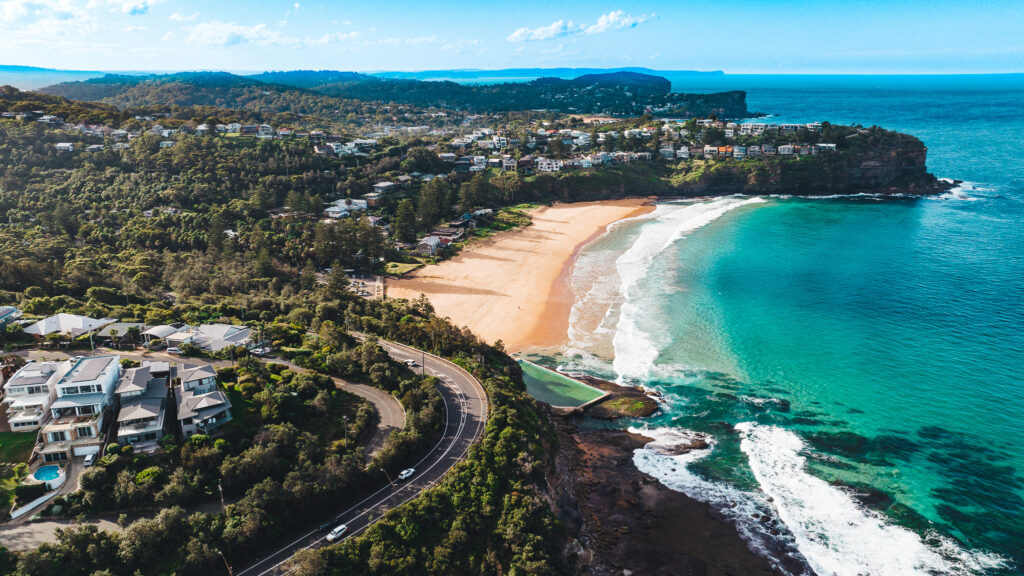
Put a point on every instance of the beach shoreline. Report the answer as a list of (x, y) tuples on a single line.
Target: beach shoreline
[(516, 287)]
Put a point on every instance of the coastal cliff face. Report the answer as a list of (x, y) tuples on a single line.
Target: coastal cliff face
[(898, 168), (867, 161)]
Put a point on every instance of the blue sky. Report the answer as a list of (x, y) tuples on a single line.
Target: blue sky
[(737, 36)]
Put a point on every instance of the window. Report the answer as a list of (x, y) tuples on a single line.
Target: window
[(82, 410), (56, 457), (85, 432), (58, 436)]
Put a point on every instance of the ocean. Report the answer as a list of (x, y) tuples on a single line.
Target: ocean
[(855, 363)]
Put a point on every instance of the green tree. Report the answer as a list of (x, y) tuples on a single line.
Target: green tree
[(405, 221)]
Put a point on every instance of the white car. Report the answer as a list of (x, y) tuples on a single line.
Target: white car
[(173, 350), (90, 459), (337, 533), (411, 363), (406, 474)]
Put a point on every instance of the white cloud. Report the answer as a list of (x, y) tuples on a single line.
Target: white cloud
[(403, 41), (134, 7), (295, 6), (216, 33), (614, 20), (19, 13), (133, 29), (335, 38), (554, 30), (179, 17), (168, 36)]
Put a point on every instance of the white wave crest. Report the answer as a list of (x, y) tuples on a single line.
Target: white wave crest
[(836, 534), (636, 349)]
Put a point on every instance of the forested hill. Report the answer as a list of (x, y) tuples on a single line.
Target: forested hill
[(304, 91)]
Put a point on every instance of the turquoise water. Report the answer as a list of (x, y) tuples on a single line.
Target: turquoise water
[(46, 473), (855, 362)]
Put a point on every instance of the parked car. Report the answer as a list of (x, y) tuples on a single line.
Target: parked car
[(406, 474), (90, 459), (174, 350), (337, 533)]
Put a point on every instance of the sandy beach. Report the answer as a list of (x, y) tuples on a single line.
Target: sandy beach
[(514, 287)]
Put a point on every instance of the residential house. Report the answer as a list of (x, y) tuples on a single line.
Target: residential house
[(683, 153), (710, 151), (249, 130), (202, 130), (167, 143), (739, 152), (428, 246), (509, 164), (120, 333), (202, 408), (68, 324), (120, 145), (548, 165), (211, 337), (29, 393), (142, 399), (786, 149), (373, 199), (95, 148), (84, 397), (265, 131), (8, 314), (384, 187), (667, 153), (342, 208), (64, 147)]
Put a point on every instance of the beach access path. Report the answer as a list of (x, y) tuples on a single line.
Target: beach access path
[(514, 287)]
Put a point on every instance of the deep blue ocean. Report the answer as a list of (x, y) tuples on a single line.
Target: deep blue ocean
[(856, 363)]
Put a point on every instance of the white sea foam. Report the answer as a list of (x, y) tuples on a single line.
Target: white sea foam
[(636, 347), (836, 534)]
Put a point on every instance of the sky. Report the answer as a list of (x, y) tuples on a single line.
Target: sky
[(736, 36)]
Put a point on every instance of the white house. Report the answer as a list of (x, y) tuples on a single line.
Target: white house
[(548, 165), (29, 394), (64, 147), (84, 395), (786, 149), (69, 324)]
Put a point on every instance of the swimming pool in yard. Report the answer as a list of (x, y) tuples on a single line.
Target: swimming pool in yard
[(47, 473)]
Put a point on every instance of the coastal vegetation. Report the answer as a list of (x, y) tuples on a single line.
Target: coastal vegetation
[(318, 92)]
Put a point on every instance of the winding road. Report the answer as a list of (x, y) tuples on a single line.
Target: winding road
[(465, 417)]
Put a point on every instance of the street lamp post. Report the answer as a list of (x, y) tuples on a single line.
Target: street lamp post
[(392, 485)]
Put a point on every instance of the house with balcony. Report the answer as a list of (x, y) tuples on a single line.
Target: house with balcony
[(202, 407), (142, 398), (30, 392), (85, 395)]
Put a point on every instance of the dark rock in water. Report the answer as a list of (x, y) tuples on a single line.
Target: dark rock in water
[(695, 443), (631, 522)]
